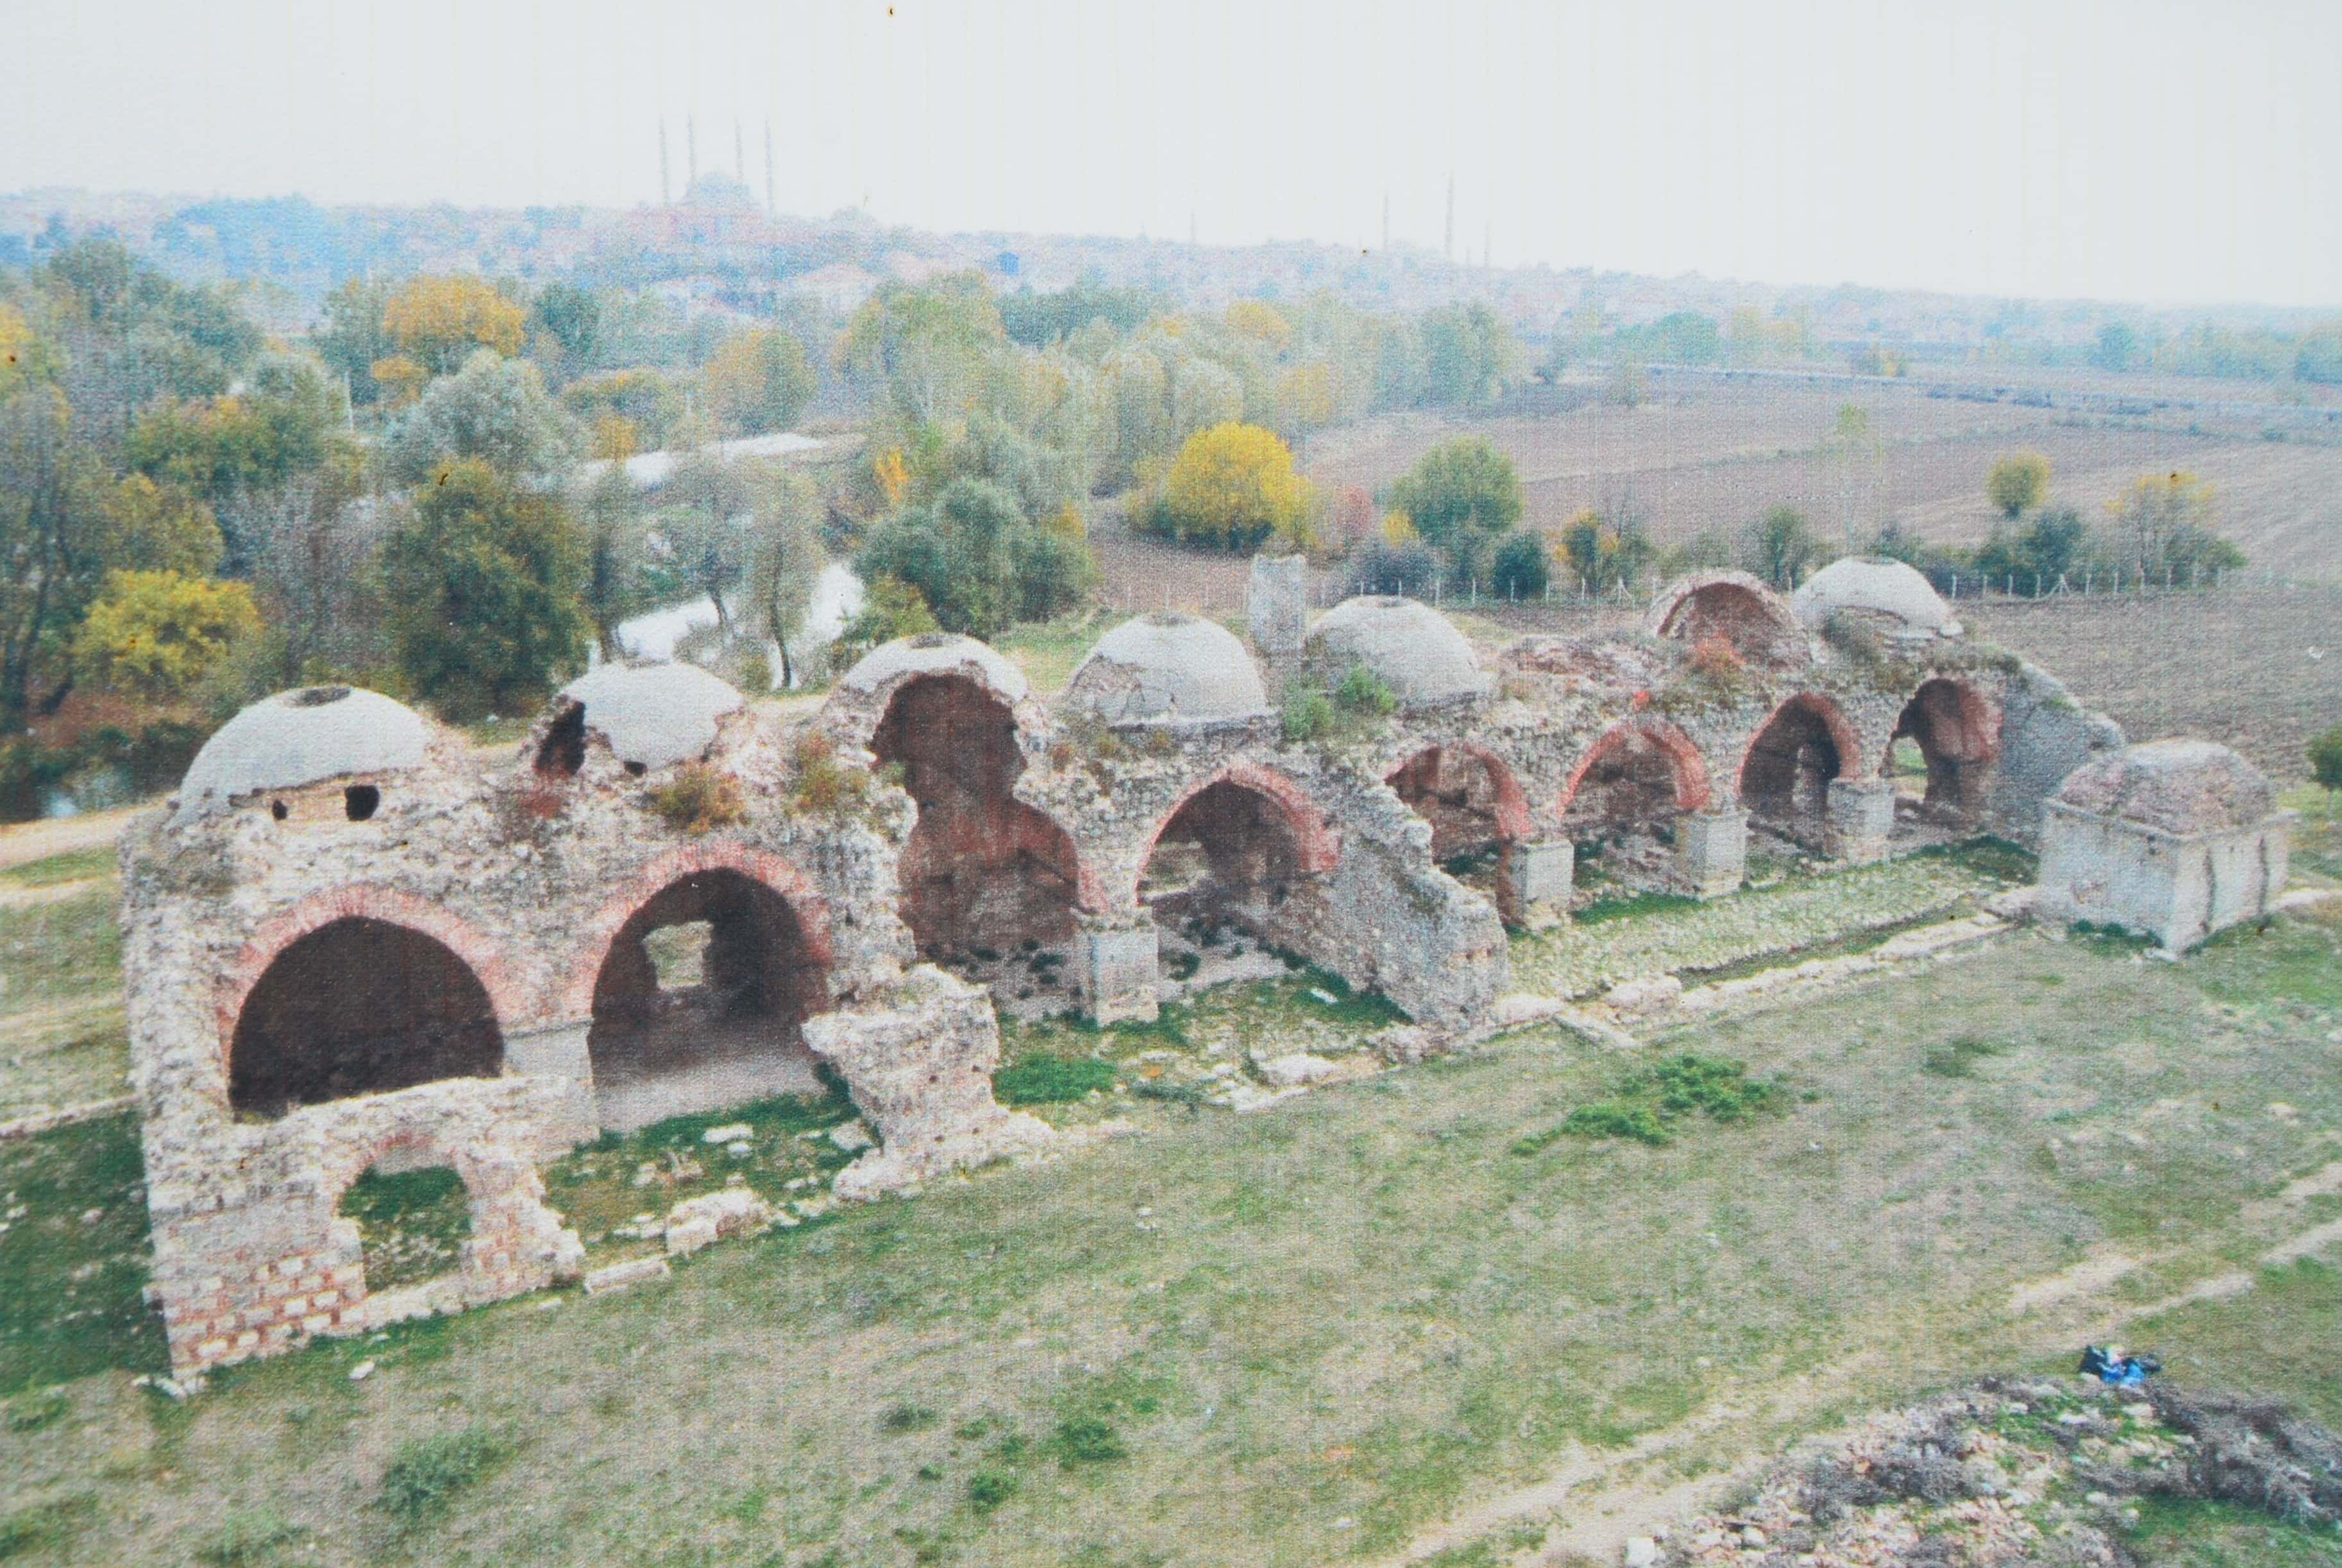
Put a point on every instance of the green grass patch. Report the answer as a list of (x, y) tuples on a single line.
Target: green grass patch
[(248, 1535), (1632, 906), (73, 1264), (1957, 1057), (1052, 1080), (32, 1412), (428, 1474), (988, 1489), (1652, 1102), (412, 1223), (49, 1526), (1085, 1440), (2176, 1532), (95, 860), (53, 952)]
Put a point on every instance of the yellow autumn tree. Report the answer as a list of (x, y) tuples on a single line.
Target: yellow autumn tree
[(1262, 324), (437, 322), (893, 477), (1234, 484), (153, 634), (1305, 396)]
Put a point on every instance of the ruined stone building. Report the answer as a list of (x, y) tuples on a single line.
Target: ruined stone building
[(353, 943)]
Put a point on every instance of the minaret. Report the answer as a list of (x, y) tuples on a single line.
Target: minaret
[(1451, 215), (739, 158), (667, 195), (772, 208), (690, 154), (1386, 220)]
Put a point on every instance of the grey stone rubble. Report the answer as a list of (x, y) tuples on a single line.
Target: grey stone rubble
[(375, 951)]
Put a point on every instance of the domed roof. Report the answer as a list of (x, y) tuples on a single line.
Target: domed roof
[(653, 714), (1168, 666), (936, 653), (2177, 785), (1415, 651), (301, 737), (1887, 591)]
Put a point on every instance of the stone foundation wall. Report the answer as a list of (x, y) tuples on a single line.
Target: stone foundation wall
[(2177, 888)]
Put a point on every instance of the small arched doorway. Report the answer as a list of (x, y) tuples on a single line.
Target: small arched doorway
[(1785, 775), (700, 1000), (1221, 880), (1473, 805), (1956, 733), (359, 1006), (1625, 800), (988, 882)]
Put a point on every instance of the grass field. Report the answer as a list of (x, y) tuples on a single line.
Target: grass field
[(1296, 1336)]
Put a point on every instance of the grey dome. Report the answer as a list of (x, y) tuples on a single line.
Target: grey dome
[(936, 653), (301, 737), (2180, 786), (1168, 666), (1888, 591), (1414, 649), (653, 714)]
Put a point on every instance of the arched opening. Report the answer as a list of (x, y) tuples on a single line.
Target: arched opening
[(1220, 882), (1785, 777), (1624, 803), (359, 1006), (988, 882), (562, 753), (1957, 737), (1755, 624), (1472, 804), (700, 1000)]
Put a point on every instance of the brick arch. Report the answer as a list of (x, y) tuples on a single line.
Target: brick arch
[(367, 900), (1317, 844), (1854, 760), (1974, 721), (575, 998), (1684, 764), (346, 1161), (1513, 818)]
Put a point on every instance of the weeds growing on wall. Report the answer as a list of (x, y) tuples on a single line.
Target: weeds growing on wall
[(699, 799)]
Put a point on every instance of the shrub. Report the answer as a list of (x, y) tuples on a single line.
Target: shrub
[(1650, 1101), (1308, 713), (2017, 483), (698, 799), (1086, 1440), (825, 784), (1957, 1057), (1052, 1080), (907, 1418), (1363, 693), (1615, 1119), (428, 1473), (988, 1489)]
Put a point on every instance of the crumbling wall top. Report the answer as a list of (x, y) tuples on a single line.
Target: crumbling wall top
[(653, 714), (1414, 649), (937, 652), (301, 737), (1173, 667), (2179, 786)]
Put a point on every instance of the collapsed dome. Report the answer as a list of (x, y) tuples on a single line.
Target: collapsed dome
[(1411, 648), (1890, 594), (1169, 667), (652, 714), (301, 737), (935, 654), (2178, 786)]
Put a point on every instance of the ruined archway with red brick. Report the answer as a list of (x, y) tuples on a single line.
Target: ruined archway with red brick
[(1471, 799), (1956, 727), (1787, 766), (1637, 774)]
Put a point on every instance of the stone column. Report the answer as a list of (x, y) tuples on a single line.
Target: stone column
[(1860, 817), (1276, 607), (1533, 881), (1119, 967), (1712, 851), (557, 1054)]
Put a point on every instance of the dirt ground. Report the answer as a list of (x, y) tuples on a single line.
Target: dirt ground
[(1712, 454)]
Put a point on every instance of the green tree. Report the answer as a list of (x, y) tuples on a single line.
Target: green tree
[(891, 608), (931, 351), (1781, 547), (610, 524), (152, 635), (1459, 488), (976, 562), (759, 381), (1469, 356), (495, 411), (224, 448), (2326, 760), (484, 580), (785, 561), (53, 531), (2165, 526), (2117, 346), (1604, 553), (2018, 484), (352, 340), (1519, 567), (569, 319), (708, 513)]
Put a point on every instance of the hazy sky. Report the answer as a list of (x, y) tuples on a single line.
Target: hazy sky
[(2164, 152)]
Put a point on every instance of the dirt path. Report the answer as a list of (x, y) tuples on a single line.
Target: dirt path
[(1609, 1497), (51, 893), (29, 841)]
